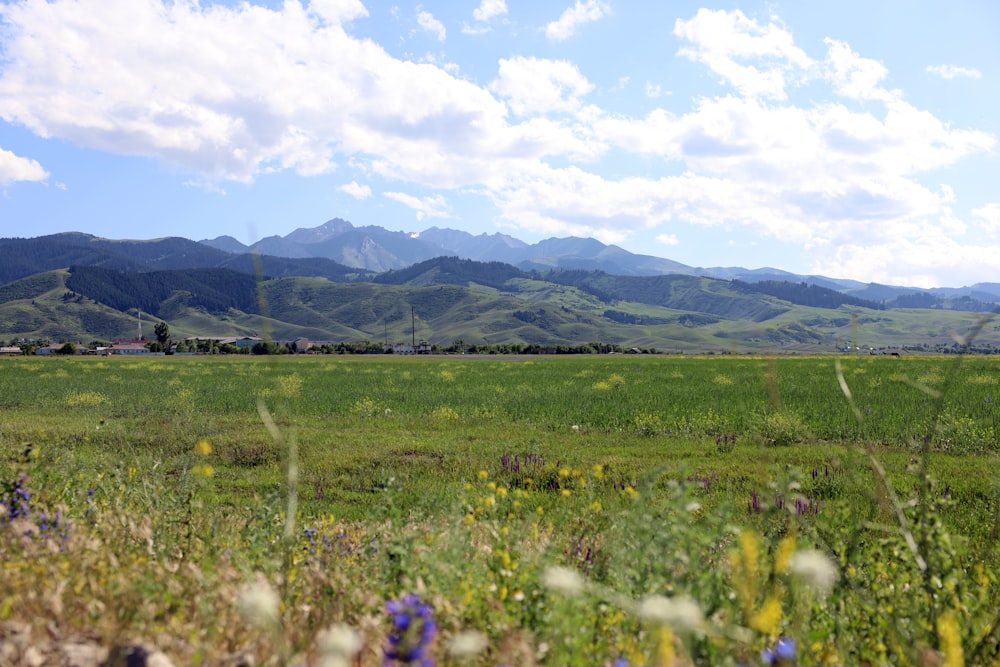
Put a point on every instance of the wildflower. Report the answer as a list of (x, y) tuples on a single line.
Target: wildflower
[(814, 569), (682, 614), (950, 640), (338, 646), (203, 448), (413, 630), (562, 580), (467, 644), (786, 548), (782, 653), (767, 619), (258, 604)]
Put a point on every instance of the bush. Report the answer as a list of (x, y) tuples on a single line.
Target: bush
[(780, 429)]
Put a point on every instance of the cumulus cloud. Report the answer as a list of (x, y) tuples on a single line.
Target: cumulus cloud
[(854, 76), (290, 89), (432, 206), (16, 168), (989, 217), (489, 9), (584, 11), (755, 59), (954, 71), (338, 11), (655, 90), (428, 23), (355, 190), (535, 85), (668, 239), (266, 90)]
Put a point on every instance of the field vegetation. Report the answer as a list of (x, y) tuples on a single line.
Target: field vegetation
[(587, 510)]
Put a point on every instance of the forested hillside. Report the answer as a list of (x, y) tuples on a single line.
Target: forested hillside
[(213, 290), (453, 271), (690, 293), (804, 294)]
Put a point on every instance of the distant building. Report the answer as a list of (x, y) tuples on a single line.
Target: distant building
[(128, 348), (422, 348), (10, 351)]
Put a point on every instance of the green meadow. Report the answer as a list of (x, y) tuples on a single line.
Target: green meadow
[(578, 510)]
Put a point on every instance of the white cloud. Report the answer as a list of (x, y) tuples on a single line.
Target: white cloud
[(355, 190), (489, 9), (668, 239), (990, 218), (655, 90), (925, 261), (533, 85), (16, 168), (725, 40), (584, 11), (338, 11), (266, 89), (954, 71), (854, 76), (272, 90), (430, 24), (433, 206)]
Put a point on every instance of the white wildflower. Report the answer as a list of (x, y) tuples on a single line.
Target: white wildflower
[(693, 506), (681, 614), (338, 645), (563, 580), (258, 604), (814, 569), (467, 644)]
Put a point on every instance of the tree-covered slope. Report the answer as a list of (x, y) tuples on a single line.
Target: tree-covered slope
[(214, 290)]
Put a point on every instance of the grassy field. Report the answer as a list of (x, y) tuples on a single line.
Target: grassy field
[(565, 510)]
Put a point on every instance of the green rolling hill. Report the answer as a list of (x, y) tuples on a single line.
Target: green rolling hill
[(448, 299)]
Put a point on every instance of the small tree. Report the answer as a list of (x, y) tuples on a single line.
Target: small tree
[(162, 331)]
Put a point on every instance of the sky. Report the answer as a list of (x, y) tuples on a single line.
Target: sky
[(851, 139)]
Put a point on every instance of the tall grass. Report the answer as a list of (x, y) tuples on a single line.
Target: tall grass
[(644, 510)]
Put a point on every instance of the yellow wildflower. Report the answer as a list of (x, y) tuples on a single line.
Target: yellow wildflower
[(784, 553), (767, 620), (203, 448), (950, 640)]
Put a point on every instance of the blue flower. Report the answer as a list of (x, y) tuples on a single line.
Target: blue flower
[(782, 653), (413, 630)]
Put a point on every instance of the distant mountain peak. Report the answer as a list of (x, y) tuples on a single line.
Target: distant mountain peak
[(326, 231), (226, 244)]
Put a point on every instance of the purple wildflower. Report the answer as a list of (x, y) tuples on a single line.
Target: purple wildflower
[(413, 630), (782, 653)]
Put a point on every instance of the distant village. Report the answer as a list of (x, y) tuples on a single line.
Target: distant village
[(208, 345), (259, 345)]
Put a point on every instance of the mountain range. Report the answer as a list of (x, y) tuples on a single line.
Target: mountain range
[(376, 249), (341, 282)]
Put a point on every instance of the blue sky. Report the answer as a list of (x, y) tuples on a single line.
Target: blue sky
[(850, 139)]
